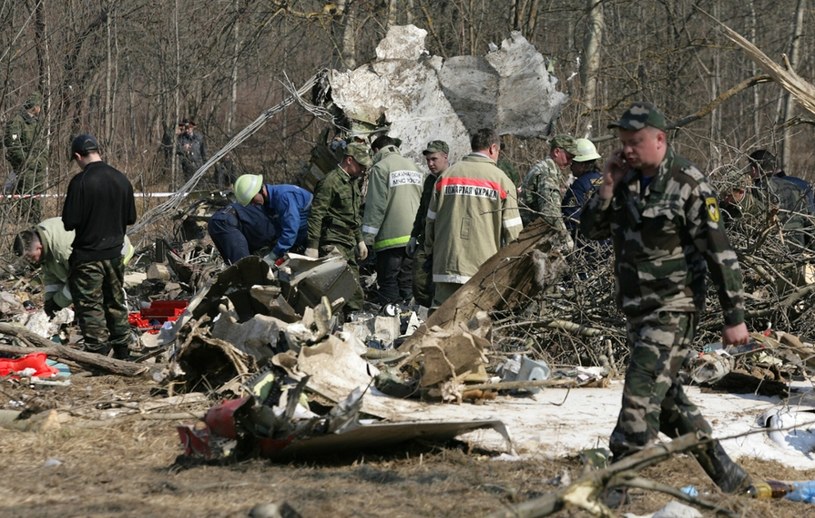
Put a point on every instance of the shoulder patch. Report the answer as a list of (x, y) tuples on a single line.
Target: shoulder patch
[(712, 209)]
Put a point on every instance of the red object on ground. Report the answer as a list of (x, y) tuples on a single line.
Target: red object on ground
[(152, 317), (36, 361)]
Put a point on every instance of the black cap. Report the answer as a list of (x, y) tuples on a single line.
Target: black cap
[(83, 144)]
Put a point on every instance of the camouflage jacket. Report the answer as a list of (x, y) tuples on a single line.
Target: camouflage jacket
[(665, 239), (335, 217), (25, 143), (540, 194)]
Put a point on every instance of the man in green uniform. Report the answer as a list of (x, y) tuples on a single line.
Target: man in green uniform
[(541, 190), (664, 221), (335, 221), (27, 155)]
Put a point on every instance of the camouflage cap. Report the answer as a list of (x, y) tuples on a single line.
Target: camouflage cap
[(35, 99), (359, 152), (436, 146), (564, 142), (640, 115)]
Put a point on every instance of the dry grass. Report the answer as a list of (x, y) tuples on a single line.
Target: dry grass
[(125, 467)]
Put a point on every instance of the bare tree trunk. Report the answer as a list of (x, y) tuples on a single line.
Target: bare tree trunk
[(591, 59), (233, 99), (43, 74), (409, 12), (754, 70), (349, 36), (393, 14), (174, 183), (715, 77), (532, 18), (108, 131), (789, 108)]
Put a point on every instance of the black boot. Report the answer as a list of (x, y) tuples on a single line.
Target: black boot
[(729, 476), (121, 352)]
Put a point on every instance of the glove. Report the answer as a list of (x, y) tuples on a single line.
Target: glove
[(51, 307), (410, 248), (312, 252), (362, 250), (270, 259)]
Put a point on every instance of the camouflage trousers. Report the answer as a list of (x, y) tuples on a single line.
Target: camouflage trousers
[(353, 301), (98, 294), (654, 401)]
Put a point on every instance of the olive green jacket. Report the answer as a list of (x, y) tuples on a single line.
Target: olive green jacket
[(335, 217)]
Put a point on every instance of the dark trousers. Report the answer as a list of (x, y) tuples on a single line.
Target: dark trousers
[(97, 289), (394, 274), (224, 229)]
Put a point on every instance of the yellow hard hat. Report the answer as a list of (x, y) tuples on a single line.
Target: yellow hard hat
[(246, 187)]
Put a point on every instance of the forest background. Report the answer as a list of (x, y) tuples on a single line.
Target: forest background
[(128, 71)]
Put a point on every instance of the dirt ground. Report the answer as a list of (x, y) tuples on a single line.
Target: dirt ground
[(125, 466)]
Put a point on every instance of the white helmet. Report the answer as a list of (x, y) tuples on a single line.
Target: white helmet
[(585, 150), (246, 187)]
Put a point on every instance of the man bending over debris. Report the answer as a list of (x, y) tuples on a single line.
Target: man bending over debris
[(335, 222), (664, 221), (286, 206), (239, 231), (99, 204), (48, 245)]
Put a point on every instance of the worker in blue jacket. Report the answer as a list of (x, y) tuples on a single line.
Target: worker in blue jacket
[(239, 231), (286, 206)]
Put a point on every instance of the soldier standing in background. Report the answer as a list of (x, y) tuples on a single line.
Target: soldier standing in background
[(664, 221), (27, 154), (541, 187), (190, 148)]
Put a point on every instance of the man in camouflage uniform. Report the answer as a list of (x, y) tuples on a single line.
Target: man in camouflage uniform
[(541, 190), (335, 221), (664, 221), (27, 155)]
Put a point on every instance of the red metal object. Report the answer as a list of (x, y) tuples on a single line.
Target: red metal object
[(195, 442), (151, 318), (221, 418)]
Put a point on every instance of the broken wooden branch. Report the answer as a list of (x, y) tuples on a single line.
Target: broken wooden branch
[(505, 278), (43, 345), (585, 491)]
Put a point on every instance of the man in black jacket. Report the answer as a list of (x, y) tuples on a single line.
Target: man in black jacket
[(99, 205)]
